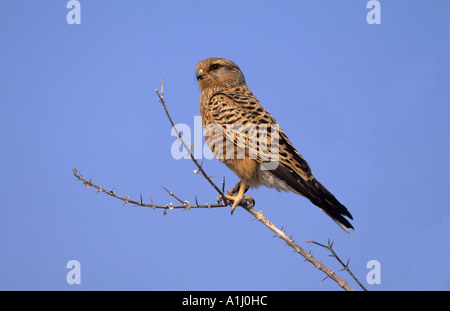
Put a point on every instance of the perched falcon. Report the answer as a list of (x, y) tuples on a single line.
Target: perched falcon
[(246, 138)]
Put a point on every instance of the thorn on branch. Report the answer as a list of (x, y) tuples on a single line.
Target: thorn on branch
[(125, 201)]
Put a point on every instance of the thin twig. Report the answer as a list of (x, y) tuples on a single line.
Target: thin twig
[(345, 266), (308, 256), (127, 200), (200, 168)]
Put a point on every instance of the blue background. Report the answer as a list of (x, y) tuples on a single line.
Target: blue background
[(366, 105)]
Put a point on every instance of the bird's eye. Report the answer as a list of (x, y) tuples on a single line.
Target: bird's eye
[(215, 67)]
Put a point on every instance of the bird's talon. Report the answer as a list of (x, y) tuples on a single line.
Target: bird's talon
[(236, 200), (219, 199), (250, 201)]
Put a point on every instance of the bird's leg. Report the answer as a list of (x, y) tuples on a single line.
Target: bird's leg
[(236, 188), (239, 198)]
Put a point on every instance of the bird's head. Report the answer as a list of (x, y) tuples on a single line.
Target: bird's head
[(218, 73)]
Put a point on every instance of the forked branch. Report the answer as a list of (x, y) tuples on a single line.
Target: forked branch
[(183, 204), (345, 267), (126, 199)]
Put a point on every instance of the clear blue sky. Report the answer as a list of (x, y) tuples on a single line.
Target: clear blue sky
[(366, 105)]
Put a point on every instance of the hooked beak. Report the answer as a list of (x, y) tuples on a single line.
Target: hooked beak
[(200, 74)]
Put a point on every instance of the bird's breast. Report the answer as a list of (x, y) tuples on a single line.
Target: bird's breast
[(245, 169)]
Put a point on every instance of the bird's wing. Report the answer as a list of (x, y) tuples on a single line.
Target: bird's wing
[(240, 106)]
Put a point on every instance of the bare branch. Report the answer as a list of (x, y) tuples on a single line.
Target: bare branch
[(333, 254), (308, 256), (126, 199), (247, 206)]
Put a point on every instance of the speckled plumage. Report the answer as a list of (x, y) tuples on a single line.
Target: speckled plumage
[(227, 107)]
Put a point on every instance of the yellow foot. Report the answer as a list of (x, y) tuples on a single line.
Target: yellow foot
[(240, 200)]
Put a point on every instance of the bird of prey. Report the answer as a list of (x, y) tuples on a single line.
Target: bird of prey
[(233, 117)]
